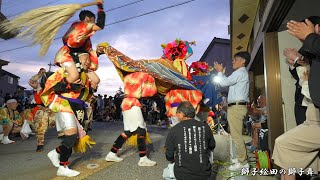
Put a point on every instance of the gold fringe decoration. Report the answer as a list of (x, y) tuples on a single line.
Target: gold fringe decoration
[(81, 145), (132, 140), (42, 24), (104, 45)]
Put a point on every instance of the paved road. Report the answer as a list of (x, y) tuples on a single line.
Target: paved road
[(20, 161), (128, 169)]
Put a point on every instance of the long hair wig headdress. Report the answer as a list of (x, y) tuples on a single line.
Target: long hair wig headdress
[(42, 24)]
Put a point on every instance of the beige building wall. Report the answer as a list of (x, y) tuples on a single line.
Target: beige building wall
[(287, 81)]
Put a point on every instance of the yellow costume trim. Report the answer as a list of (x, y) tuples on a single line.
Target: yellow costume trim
[(104, 44), (132, 140), (81, 145), (181, 66)]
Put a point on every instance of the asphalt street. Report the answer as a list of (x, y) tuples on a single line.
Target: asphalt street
[(21, 161)]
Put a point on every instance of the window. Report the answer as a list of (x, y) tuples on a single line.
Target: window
[(10, 80)]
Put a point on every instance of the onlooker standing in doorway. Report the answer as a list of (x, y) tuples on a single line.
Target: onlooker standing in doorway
[(309, 33), (302, 142), (296, 70), (189, 144), (238, 97)]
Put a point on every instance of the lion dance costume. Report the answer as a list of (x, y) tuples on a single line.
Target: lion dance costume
[(145, 78), (136, 85)]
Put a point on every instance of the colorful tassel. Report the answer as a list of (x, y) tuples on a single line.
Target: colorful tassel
[(132, 141), (81, 145)]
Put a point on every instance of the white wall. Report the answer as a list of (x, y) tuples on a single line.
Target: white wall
[(287, 81)]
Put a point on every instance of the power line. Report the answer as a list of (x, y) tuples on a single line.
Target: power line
[(151, 12), (112, 9), (28, 10), (119, 7), (17, 3), (21, 47), (123, 20)]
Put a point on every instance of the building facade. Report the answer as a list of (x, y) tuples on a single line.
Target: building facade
[(9, 82), (259, 27), (219, 50)]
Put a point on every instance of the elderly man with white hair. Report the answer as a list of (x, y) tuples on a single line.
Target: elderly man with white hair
[(10, 120)]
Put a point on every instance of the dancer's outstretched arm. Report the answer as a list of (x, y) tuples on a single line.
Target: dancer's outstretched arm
[(101, 15)]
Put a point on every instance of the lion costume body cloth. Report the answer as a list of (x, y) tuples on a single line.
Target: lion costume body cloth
[(169, 81)]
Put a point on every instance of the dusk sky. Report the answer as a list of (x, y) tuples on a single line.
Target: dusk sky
[(140, 38)]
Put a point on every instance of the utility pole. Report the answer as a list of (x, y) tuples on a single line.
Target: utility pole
[(50, 64), (0, 4)]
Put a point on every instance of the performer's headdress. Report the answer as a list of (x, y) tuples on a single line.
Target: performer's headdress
[(178, 49), (200, 68)]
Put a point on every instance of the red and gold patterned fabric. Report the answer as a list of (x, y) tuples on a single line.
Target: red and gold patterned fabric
[(27, 115), (162, 70), (179, 95), (78, 36), (40, 119), (139, 85), (168, 80), (59, 104), (136, 86), (37, 96), (48, 95), (128, 103)]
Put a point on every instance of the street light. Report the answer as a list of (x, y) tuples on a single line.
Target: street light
[(217, 79)]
